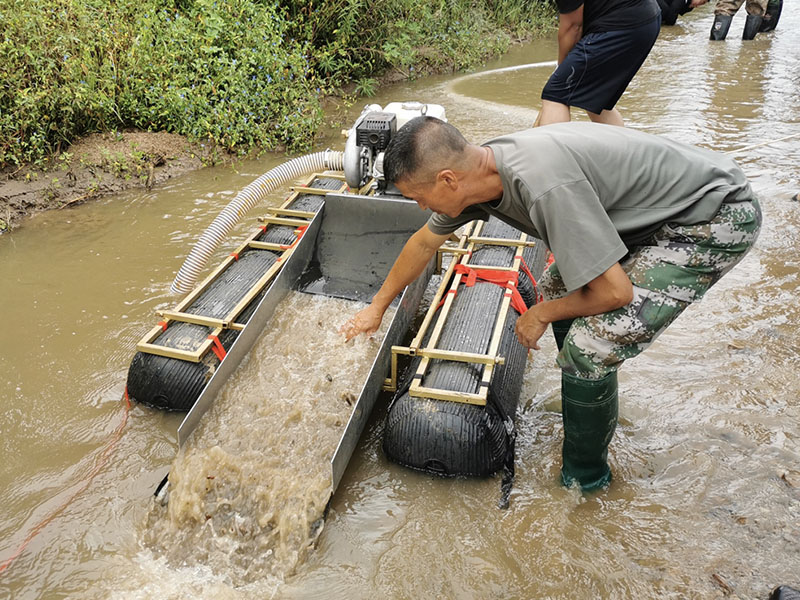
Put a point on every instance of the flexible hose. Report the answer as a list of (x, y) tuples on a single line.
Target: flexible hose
[(243, 202)]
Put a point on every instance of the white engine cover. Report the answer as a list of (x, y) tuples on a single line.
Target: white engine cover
[(404, 112)]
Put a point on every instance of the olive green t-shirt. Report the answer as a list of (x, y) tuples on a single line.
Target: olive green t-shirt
[(592, 192)]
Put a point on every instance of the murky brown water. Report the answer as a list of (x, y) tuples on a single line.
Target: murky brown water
[(707, 457), (248, 489)]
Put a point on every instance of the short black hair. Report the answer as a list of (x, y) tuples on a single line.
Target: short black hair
[(422, 142)]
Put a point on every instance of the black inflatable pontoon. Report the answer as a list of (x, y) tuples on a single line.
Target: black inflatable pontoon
[(177, 358), (454, 412)]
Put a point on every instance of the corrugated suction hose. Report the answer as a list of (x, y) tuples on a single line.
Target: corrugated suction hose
[(243, 202)]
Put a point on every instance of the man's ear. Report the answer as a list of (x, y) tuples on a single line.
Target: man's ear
[(448, 178)]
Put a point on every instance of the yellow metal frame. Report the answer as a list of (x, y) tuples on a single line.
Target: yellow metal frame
[(461, 255), (281, 215)]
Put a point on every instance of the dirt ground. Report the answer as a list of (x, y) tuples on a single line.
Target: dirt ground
[(97, 165)]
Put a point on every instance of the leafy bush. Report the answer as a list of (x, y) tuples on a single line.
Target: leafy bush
[(242, 73)]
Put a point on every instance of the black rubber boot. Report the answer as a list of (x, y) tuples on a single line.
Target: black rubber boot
[(751, 26), (560, 330), (784, 592), (720, 27), (772, 15), (589, 409)]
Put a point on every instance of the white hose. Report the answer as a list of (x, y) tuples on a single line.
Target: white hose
[(243, 202)]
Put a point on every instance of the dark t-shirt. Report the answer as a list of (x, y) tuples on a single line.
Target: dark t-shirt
[(670, 9), (611, 15)]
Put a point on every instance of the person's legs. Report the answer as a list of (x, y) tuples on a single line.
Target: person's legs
[(596, 72), (678, 265), (756, 9), (552, 112), (593, 349), (772, 15), (723, 15), (608, 117)]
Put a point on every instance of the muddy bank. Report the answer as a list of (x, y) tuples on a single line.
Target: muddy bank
[(97, 165)]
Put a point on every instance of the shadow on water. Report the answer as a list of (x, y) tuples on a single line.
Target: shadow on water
[(706, 500)]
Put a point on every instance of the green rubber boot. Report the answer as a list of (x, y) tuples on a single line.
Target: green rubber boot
[(589, 410), (560, 330)]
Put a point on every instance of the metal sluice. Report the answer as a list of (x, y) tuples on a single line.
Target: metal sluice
[(320, 241), (325, 240)]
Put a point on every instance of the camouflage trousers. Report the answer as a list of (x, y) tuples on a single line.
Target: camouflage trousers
[(674, 267), (729, 7)]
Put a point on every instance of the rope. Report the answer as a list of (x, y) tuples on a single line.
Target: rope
[(767, 143), (101, 462)]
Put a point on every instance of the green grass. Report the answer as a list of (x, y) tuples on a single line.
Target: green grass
[(243, 74)]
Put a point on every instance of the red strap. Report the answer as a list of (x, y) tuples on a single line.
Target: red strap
[(235, 255), (163, 325), (216, 346), (506, 279), (299, 233), (550, 259), (441, 302)]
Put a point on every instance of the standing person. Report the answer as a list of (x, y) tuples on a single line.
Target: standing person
[(640, 227), (601, 45), (723, 15)]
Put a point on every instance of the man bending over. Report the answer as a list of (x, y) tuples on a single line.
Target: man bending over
[(640, 227)]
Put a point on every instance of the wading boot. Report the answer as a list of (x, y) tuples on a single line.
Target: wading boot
[(589, 410), (720, 27), (560, 330), (751, 26), (772, 15)]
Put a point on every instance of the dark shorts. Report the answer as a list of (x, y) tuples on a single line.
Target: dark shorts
[(597, 70)]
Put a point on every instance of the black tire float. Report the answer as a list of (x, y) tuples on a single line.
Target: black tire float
[(174, 384), (455, 438)]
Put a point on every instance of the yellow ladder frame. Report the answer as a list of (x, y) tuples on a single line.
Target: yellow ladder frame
[(462, 254), (281, 215)]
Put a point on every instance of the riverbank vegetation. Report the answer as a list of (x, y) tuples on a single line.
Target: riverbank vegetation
[(240, 74)]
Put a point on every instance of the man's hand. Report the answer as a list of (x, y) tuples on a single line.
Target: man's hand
[(365, 321), (416, 253), (609, 291), (530, 328)]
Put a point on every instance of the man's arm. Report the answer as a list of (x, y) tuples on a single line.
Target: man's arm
[(416, 253), (570, 30), (606, 292)]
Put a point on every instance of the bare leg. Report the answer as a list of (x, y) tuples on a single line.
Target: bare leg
[(609, 117), (552, 112)]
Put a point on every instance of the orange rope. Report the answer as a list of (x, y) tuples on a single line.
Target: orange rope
[(101, 462)]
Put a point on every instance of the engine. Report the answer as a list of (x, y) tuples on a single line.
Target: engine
[(373, 130)]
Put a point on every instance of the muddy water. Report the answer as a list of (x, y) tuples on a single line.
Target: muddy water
[(248, 490), (706, 500)]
